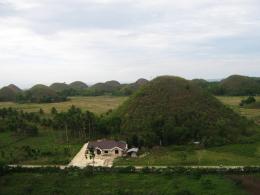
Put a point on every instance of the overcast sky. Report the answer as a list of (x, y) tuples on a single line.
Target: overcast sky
[(42, 41)]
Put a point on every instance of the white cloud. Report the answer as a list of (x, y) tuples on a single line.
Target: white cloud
[(62, 40)]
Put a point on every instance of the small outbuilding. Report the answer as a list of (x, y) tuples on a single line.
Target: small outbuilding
[(132, 152)]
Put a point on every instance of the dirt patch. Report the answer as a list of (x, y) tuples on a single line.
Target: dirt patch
[(248, 182)]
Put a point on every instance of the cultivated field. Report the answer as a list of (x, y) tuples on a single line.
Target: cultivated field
[(98, 105)]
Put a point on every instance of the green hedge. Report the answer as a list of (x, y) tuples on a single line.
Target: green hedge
[(4, 169)]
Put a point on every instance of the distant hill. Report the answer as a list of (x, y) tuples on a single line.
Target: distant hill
[(109, 87), (170, 110), (58, 87), (240, 85), (9, 93), (129, 89), (78, 85), (40, 94), (14, 88), (201, 82)]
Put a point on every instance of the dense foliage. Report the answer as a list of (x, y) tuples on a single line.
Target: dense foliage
[(18, 122), (172, 110), (115, 181)]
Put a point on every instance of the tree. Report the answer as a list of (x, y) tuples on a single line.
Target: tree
[(54, 111), (92, 156), (41, 111), (249, 100)]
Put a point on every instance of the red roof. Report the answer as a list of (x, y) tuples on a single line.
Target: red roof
[(107, 144)]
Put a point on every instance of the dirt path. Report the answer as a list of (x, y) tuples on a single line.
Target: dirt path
[(80, 160), (250, 183)]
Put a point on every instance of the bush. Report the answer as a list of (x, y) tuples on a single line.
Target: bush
[(249, 100)]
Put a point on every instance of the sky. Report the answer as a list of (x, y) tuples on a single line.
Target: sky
[(45, 41)]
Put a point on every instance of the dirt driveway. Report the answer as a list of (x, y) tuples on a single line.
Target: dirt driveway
[(80, 160)]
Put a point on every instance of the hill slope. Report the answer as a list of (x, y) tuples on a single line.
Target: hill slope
[(173, 110)]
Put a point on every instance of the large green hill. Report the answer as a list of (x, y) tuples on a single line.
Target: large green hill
[(172, 110)]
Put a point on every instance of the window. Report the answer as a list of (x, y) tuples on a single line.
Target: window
[(98, 152), (116, 152), (106, 152)]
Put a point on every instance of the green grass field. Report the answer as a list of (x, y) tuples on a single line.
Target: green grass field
[(98, 105), (49, 147), (233, 155), (116, 183)]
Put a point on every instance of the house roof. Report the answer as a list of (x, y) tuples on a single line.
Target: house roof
[(107, 144)]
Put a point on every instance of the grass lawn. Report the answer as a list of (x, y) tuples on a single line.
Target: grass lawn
[(48, 147), (235, 155), (98, 105), (116, 183)]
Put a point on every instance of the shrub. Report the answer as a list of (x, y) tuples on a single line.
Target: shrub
[(249, 100)]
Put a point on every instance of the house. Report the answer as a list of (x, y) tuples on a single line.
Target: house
[(107, 148), (132, 152)]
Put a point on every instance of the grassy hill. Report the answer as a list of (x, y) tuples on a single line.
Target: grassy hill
[(109, 87), (129, 89), (240, 85), (78, 85), (40, 94), (9, 93), (58, 87), (170, 110)]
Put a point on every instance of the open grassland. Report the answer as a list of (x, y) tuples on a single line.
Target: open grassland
[(116, 183), (49, 147), (98, 105), (233, 102)]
